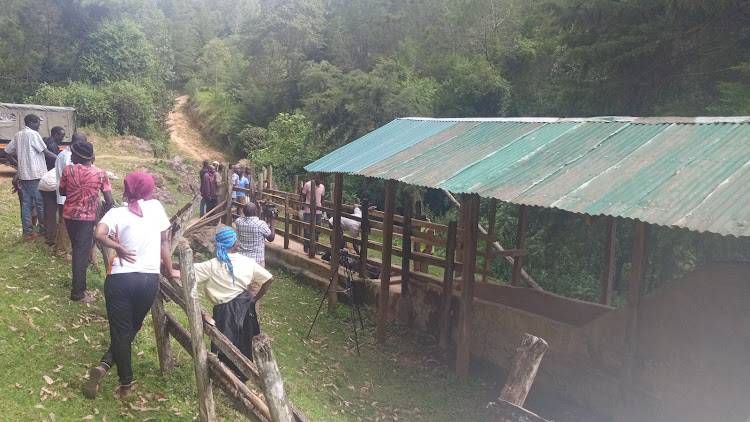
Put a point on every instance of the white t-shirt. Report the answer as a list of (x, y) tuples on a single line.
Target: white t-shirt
[(141, 235)]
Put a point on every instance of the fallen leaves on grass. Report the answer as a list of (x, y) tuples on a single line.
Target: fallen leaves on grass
[(45, 297), (88, 417), (58, 369), (48, 380), (52, 417)]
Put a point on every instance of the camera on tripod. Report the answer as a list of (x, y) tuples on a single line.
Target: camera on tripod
[(269, 210)]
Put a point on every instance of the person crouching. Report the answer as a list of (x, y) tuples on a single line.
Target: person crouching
[(229, 278)]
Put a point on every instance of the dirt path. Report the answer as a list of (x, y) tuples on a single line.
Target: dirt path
[(186, 141)]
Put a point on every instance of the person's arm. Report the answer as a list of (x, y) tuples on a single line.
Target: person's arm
[(263, 289), (109, 201), (271, 228), (101, 235), (63, 185), (49, 155), (166, 255)]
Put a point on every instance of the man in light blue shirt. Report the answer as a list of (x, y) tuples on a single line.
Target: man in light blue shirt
[(241, 182)]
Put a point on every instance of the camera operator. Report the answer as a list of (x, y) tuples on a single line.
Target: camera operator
[(252, 233)]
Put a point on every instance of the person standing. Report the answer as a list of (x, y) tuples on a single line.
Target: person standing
[(317, 195), (140, 228), (80, 184), (229, 279), (57, 134), (202, 173), (208, 189), (253, 232), (62, 241), (242, 183), (29, 150), (48, 190)]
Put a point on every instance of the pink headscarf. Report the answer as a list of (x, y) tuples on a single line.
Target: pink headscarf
[(138, 185)]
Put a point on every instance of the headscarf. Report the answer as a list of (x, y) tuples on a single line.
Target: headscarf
[(138, 185), (225, 239)]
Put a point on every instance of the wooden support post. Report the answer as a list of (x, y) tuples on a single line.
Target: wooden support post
[(261, 182), (295, 194), (524, 369), (190, 291), (270, 380), (471, 234), (364, 230), (312, 196), (445, 308), (405, 301), (270, 178), (491, 214), (228, 188), (418, 246), (610, 253), (286, 220), (338, 234), (163, 343), (523, 222), (385, 271)]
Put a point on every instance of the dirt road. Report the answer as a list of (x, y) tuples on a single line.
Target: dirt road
[(185, 140)]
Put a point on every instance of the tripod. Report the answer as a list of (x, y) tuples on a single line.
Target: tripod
[(348, 292)]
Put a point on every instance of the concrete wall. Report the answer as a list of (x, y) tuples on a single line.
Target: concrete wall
[(691, 352)]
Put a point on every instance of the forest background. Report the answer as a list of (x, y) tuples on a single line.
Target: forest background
[(284, 82)]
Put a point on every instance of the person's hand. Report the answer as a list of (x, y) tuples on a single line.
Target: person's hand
[(124, 254)]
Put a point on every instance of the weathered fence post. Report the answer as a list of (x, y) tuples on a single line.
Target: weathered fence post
[(163, 343), (286, 221), (418, 246), (610, 253), (445, 308), (466, 311), (313, 245), (523, 222), (193, 310), (228, 188), (335, 236), (385, 271), (364, 230), (295, 192), (405, 301), (492, 213), (270, 380)]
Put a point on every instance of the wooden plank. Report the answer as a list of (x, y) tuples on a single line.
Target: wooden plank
[(365, 234), (193, 310), (181, 220), (523, 370), (447, 299), (286, 221), (295, 194), (406, 246), (227, 188), (523, 222), (491, 215), (510, 411), (466, 313), (637, 268), (417, 246), (508, 252), (385, 271), (311, 224), (270, 380), (337, 234), (163, 343), (608, 269)]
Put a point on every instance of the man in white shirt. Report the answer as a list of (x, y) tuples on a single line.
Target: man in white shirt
[(30, 151)]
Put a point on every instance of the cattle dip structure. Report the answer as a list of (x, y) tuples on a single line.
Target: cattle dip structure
[(679, 352)]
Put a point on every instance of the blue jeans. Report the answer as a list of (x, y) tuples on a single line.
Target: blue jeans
[(31, 197)]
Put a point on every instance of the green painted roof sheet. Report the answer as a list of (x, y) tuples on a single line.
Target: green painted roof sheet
[(682, 172)]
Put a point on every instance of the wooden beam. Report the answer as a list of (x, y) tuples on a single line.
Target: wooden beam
[(163, 343), (312, 196), (417, 246), (523, 370), (638, 266), (295, 192), (466, 312), (270, 380), (338, 233), (447, 299), (385, 271), (193, 310), (530, 281), (491, 215), (405, 300), (364, 230), (286, 221), (181, 220), (523, 222), (228, 188), (608, 269)]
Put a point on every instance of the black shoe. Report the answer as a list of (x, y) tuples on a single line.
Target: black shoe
[(92, 386)]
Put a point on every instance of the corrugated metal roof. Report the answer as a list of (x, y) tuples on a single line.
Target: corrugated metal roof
[(34, 107), (691, 172)]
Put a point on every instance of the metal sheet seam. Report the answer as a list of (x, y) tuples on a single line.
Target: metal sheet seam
[(556, 204), (567, 163), (687, 163), (681, 221)]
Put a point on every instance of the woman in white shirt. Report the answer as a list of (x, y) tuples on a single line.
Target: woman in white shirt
[(140, 230)]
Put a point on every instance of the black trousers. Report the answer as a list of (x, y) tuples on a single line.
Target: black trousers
[(238, 321), (81, 235), (129, 297), (49, 200)]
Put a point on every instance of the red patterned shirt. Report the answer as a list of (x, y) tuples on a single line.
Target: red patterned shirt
[(82, 185)]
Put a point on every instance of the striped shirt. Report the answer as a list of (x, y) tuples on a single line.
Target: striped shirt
[(251, 235), (28, 146), (82, 185)]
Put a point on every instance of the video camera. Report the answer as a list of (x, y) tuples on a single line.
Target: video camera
[(269, 210)]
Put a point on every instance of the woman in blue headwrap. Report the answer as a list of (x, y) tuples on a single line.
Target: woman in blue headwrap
[(229, 278)]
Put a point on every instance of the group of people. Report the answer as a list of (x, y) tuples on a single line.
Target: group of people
[(139, 232)]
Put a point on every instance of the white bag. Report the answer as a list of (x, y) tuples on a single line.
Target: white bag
[(48, 182)]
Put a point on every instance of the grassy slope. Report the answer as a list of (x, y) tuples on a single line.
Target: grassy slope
[(44, 334)]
